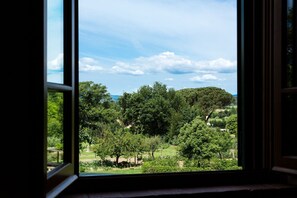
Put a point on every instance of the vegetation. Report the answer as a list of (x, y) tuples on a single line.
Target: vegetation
[(155, 129)]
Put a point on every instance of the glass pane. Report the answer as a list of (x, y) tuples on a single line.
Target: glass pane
[(290, 70), (55, 135), (55, 46), (289, 127), (158, 86)]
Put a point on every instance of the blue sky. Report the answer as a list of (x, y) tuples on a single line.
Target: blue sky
[(124, 44)]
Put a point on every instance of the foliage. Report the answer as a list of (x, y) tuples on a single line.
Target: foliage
[(161, 165), (217, 122), (151, 144), (55, 120), (207, 99), (231, 124), (139, 122), (151, 110), (97, 111), (200, 142)]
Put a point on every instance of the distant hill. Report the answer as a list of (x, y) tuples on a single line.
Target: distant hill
[(115, 97)]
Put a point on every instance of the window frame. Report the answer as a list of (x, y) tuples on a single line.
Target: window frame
[(256, 36), (282, 163), (65, 174)]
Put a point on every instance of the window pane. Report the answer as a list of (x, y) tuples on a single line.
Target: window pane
[(289, 127), (55, 39), (290, 70), (158, 86), (55, 134)]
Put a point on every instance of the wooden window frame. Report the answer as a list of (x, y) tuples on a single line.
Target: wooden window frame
[(255, 107), (63, 175), (282, 163), (257, 40)]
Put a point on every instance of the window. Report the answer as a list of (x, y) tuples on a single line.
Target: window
[(144, 76), (262, 100), (285, 88), (255, 121), (60, 88)]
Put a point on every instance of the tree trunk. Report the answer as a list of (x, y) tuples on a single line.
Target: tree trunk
[(208, 116), (117, 160)]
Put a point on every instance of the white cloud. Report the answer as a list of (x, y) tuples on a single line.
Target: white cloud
[(169, 62), (56, 63), (219, 65), (169, 79), (124, 68), (89, 64), (204, 78)]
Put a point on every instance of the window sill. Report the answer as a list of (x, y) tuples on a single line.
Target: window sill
[(257, 190), (208, 184)]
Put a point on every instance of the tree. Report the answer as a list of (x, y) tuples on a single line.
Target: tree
[(113, 144), (223, 142), (55, 120), (196, 141), (97, 111), (120, 142), (149, 110), (207, 99), (231, 124), (152, 144)]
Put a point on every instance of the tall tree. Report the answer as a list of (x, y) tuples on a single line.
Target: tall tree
[(207, 99), (97, 111), (149, 110)]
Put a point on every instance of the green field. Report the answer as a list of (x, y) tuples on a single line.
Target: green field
[(89, 157)]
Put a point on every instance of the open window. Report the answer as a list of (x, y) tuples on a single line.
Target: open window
[(285, 86), (266, 106), (157, 91), (60, 89)]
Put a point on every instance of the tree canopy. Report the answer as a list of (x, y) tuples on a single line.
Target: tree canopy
[(207, 99), (150, 109), (200, 142), (96, 110)]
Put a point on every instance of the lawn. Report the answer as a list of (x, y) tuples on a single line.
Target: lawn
[(89, 156)]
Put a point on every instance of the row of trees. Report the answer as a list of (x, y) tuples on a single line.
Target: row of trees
[(142, 121)]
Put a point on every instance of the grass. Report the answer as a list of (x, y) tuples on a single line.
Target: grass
[(170, 151), (134, 170), (89, 156)]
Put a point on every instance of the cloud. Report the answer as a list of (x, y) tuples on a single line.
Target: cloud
[(89, 64), (57, 63), (169, 62), (219, 65), (123, 68), (204, 78), (169, 79)]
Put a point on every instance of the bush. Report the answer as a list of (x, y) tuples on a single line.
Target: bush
[(161, 165)]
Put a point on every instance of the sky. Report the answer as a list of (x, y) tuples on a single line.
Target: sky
[(125, 44)]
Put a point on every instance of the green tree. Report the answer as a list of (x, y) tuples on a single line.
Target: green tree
[(223, 141), (149, 110), (152, 144), (231, 124), (196, 141), (207, 99), (97, 111), (114, 144), (55, 120)]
